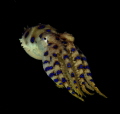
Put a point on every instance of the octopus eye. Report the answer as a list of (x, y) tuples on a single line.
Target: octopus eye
[(44, 38)]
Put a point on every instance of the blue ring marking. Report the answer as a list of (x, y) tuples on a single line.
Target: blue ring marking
[(84, 58), (64, 80), (45, 62), (89, 74), (64, 42), (78, 57), (92, 80), (73, 92), (83, 82), (54, 54), (58, 72), (80, 66), (51, 74), (49, 44), (81, 76), (86, 67), (48, 30), (51, 67), (66, 56), (48, 68), (56, 63), (56, 80), (72, 49), (26, 34), (55, 46), (72, 75), (60, 83), (68, 65), (74, 81), (46, 53), (40, 35), (68, 88), (41, 27), (32, 39), (57, 38)]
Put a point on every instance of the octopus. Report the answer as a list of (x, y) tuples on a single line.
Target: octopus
[(63, 62)]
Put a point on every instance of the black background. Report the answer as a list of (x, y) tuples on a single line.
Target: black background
[(23, 83)]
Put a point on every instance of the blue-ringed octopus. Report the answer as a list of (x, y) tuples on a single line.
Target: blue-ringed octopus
[(61, 60)]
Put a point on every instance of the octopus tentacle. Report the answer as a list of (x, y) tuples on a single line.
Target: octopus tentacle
[(76, 58), (72, 92), (88, 76), (69, 78), (88, 86), (75, 95), (54, 72), (83, 87)]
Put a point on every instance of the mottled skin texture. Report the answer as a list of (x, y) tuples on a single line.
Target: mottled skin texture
[(61, 60)]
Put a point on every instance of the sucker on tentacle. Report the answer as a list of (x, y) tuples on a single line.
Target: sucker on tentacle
[(62, 61)]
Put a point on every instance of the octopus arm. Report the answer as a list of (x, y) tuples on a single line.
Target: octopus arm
[(61, 59), (87, 74)]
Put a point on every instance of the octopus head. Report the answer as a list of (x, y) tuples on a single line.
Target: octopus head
[(31, 48), (35, 40)]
